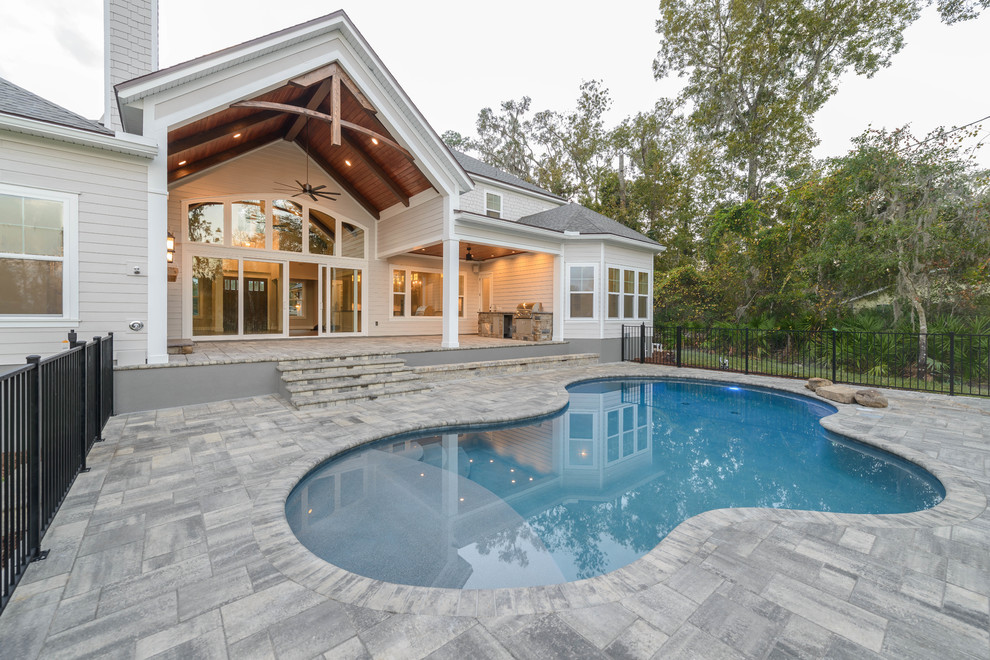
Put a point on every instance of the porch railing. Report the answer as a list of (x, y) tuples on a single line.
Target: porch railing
[(949, 363), (52, 411)]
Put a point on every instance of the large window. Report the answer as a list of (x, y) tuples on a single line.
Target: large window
[(628, 294), (420, 293), (283, 225), (37, 254), (581, 290)]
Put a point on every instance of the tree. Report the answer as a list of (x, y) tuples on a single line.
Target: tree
[(906, 213), (758, 71), (504, 139)]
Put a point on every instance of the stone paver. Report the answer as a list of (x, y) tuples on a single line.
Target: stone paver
[(175, 545)]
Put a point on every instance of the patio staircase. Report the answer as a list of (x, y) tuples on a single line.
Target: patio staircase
[(334, 381)]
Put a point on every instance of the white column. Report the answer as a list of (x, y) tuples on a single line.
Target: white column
[(560, 299), (156, 326), (451, 273)]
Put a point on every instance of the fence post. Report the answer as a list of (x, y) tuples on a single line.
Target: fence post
[(83, 408), (112, 383), (834, 333), (747, 351), (642, 343), (98, 385), (952, 363), (679, 346), (34, 457)]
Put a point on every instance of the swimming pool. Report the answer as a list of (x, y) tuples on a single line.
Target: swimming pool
[(588, 490)]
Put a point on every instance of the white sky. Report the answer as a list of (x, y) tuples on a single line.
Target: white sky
[(454, 58)]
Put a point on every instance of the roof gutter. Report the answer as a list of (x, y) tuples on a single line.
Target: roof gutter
[(124, 143)]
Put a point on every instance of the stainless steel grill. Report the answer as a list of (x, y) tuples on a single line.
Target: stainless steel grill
[(526, 310)]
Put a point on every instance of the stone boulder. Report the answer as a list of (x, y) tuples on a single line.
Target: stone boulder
[(871, 398), (815, 383), (837, 393)]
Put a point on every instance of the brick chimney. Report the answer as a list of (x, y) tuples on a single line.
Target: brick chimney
[(130, 48)]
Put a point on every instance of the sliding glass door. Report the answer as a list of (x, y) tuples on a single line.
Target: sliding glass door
[(344, 289)]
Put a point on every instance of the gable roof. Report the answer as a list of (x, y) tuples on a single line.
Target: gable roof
[(19, 102), (577, 218), (479, 168)]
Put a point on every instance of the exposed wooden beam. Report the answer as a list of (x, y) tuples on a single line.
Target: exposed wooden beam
[(377, 170), (295, 109), (217, 158), (331, 70), (346, 185), (223, 130), (314, 102), (335, 111)]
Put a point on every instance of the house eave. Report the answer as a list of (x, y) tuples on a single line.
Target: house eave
[(502, 223), (124, 143)]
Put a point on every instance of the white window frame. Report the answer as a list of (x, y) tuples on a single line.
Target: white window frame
[(407, 299), (609, 294), (500, 211), (621, 294), (69, 259), (594, 292)]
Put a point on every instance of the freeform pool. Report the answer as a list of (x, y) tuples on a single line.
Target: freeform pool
[(588, 490)]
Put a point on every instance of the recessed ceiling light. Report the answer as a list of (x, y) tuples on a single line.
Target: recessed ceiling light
[(374, 140), (181, 163), (347, 162), (237, 135)]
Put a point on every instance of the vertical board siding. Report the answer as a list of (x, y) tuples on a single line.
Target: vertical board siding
[(113, 211)]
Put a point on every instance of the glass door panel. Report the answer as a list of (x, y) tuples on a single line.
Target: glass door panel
[(345, 300), (262, 298), (304, 297), (214, 296)]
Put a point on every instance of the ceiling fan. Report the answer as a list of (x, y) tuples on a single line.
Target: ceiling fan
[(315, 192)]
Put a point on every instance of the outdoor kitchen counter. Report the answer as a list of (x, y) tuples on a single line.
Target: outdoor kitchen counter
[(537, 327)]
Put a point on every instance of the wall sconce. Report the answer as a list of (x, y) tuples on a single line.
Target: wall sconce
[(170, 248)]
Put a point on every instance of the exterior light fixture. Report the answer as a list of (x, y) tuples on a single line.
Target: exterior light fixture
[(182, 162), (170, 248), (237, 135)]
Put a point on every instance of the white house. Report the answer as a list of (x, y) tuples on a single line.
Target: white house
[(298, 192)]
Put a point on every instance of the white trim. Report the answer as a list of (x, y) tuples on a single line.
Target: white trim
[(483, 220), (594, 292), (69, 258), (125, 143), (515, 188)]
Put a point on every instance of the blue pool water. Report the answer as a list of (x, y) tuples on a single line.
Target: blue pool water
[(588, 490)]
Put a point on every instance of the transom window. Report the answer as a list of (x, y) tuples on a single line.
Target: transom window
[(283, 225), (38, 265)]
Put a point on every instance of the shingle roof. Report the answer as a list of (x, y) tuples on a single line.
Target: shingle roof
[(574, 217), (480, 168), (19, 102)]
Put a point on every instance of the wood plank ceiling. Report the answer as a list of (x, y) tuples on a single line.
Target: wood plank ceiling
[(374, 172)]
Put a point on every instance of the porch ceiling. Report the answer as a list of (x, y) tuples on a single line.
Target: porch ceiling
[(376, 174), (479, 252)]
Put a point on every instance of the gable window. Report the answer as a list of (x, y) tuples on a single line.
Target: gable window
[(493, 205), (38, 268), (581, 290)]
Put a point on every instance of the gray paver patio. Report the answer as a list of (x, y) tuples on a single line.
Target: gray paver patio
[(174, 546)]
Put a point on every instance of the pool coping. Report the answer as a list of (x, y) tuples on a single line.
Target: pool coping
[(964, 501)]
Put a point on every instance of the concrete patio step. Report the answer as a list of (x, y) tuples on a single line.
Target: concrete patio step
[(355, 371), (505, 367), (368, 383), (328, 382), (343, 398)]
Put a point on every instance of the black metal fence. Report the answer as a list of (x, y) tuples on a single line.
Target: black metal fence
[(52, 410), (949, 363)]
